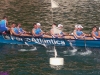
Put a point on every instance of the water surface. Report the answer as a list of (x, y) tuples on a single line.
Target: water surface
[(34, 60)]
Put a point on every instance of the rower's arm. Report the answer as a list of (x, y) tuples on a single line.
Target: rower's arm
[(74, 33), (93, 34), (33, 33), (99, 33), (7, 22), (42, 32), (83, 34), (51, 32), (12, 32)]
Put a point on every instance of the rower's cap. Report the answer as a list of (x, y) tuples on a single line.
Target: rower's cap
[(76, 26), (60, 25), (80, 26), (99, 28), (38, 24)]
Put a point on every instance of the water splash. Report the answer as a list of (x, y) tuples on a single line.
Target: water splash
[(74, 49), (43, 44), (32, 49), (26, 43), (50, 51), (65, 52), (22, 50), (87, 52), (68, 53)]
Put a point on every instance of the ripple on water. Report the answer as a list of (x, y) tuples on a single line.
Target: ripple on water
[(23, 50), (37, 62)]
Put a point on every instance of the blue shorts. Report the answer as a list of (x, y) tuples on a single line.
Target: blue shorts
[(2, 29)]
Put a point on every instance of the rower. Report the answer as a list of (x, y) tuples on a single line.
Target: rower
[(3, 25), (20, 30), (95, 33), (60, 28), (34, 30), (74, 32), (78, 34), (56, 32), (14, 30), (37, 32)]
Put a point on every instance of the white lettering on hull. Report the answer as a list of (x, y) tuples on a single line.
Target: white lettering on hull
[(48, 41), (39, 40)]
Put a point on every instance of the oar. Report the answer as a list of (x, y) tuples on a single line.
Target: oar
[(44, 43), (84, 42), (22, 38), (55, 52), (24, 41)]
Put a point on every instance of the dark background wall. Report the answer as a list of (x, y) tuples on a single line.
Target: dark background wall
[(69, 13)]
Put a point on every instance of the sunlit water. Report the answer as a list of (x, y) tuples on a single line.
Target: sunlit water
[(34, 60)]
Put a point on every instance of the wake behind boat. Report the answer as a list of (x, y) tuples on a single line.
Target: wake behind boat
[(30, 40)]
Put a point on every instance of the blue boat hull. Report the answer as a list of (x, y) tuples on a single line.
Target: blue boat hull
[(47, 41)]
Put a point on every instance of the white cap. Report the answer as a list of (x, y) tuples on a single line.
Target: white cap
[(38, 24), (79, 26), (99, 28), (76, 26), (60, 25)]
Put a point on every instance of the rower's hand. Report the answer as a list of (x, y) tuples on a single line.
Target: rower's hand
[(83, 37), (43, 32), (60, 35), (57, 35), (20, 34)]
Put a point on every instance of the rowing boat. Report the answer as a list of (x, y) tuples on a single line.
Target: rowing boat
[(10, 39)]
